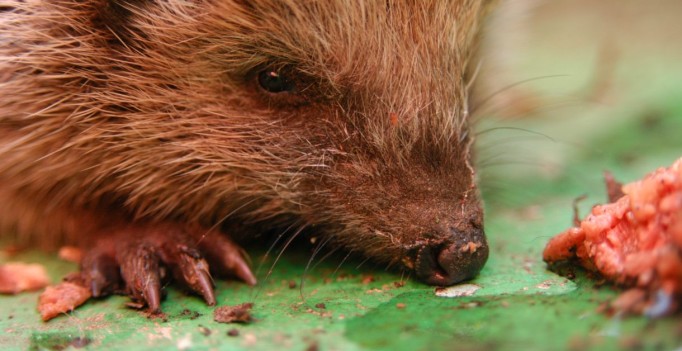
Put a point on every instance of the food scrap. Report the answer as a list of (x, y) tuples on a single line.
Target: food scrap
[(234, 314), (457, 290), (16, 277), (634, 242), (70, 254), (61, 298)]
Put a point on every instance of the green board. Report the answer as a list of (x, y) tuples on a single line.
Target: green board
[(529, 190)]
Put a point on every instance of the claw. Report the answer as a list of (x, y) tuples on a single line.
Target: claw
[(226, 257), (152, 294), (140, 271), (241, 269), (100, 272), (206, 287), (188, 266)]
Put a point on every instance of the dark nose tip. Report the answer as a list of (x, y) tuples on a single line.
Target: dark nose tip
[(452, 262)]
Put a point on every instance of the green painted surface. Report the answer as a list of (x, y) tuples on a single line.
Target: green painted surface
[(519, 305)]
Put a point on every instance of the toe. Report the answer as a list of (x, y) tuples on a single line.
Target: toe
[(189, 267), (226, 257), (100, 272), (141, 272)]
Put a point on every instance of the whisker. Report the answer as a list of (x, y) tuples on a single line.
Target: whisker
[(332, 251), (505, 143), (471, 81), (529, 131), (361, 263), (341, 263), (272, 247), (307, 266), (281, 252), (489, 163), (220, 222), (510, 86)]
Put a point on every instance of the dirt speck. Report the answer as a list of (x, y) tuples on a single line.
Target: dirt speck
[(233, 332), (547, 284), (204, 330), (234, 314), (313, 346), (470, 305), (79, 342), (321, 306), (189, 313), (368, 279)]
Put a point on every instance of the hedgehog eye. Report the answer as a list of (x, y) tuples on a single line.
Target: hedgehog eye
[(275, 82)]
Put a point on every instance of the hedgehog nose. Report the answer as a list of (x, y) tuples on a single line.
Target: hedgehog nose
[(454, 261)]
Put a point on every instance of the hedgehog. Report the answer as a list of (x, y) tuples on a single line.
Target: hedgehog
[(153, 134)]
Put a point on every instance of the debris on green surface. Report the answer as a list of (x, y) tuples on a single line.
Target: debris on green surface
[(234, 314)]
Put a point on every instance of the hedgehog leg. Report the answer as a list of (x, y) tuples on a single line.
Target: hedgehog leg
[(135, 259)]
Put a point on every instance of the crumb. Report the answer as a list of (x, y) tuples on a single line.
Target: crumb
[(61, 298), (234, 314), (368, 279), (192, 314), (457, 290), (16, 277), (70, 254), (313, 346), (400, 305), (470, 247), (204, 330)]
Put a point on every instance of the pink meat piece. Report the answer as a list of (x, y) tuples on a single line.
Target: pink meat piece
[(635, 241)]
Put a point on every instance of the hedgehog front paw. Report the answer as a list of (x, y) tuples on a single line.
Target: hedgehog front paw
[(137, 260)]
